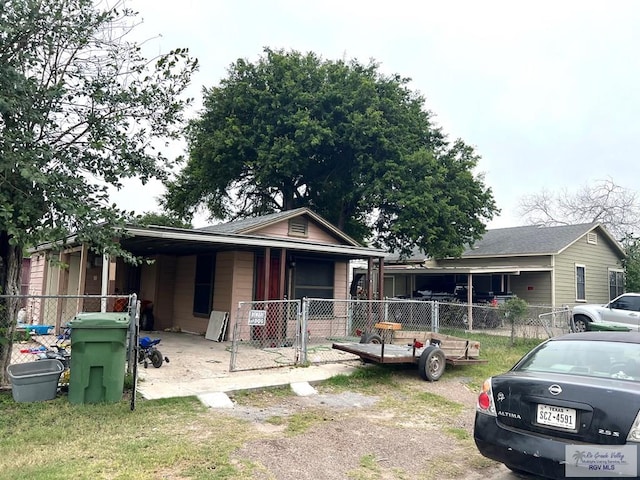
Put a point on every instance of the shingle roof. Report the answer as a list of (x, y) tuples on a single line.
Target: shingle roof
[(247, 224), (525, 240)]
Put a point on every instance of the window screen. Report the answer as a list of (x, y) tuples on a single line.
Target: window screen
[(580, 282), (616, 283), (314, 279)]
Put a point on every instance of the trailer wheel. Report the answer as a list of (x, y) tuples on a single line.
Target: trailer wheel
[(371, 338), (431, 364)]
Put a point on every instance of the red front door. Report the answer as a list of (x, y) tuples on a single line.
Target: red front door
[(273, 333)]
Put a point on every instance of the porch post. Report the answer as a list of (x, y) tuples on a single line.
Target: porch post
[(104, 290), (470, 300), (283, 266), (112, 280), (43, 288), (63, 285), (370, 279), (267, 267), (82, 277), (381, 278)]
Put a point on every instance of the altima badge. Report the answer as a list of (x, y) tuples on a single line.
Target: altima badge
[(555, 389)]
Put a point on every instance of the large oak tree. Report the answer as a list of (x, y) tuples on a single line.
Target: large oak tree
[(81, 109), (355, 145)]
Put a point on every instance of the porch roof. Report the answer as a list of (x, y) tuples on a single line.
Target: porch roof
[(178, 241), (461, 269)]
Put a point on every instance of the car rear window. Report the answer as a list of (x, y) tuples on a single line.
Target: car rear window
[(589, 358)]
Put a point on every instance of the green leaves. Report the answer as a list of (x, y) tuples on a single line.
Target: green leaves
[(631, 264), (80, 110), (355, 145)]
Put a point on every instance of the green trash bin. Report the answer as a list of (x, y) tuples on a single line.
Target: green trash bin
[(98, 356)]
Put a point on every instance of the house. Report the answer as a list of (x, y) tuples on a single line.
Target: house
[(192, 272), (550, 266)]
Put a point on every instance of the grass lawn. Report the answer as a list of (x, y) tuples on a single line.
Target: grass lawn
[(174, 438)]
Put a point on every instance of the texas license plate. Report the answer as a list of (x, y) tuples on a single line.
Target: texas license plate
[(557, 416)]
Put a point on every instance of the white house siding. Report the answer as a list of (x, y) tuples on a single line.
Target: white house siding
[(597, 259), (534, 287)]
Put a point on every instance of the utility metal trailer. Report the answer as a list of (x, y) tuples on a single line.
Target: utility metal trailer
[(431, 351)]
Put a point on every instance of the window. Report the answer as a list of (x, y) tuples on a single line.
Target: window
[(203, 288), (616, 283), (314, 279), (581, 273), (298, 227)]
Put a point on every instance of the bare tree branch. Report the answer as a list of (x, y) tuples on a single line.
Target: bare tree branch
[(605, 202)]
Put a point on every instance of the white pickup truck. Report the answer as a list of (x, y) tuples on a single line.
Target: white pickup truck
[(621, 312)]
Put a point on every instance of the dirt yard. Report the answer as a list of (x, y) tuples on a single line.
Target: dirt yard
[(411, 430), (402, 428)]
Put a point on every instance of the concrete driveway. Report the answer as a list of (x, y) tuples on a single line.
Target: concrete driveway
[(198, 366)]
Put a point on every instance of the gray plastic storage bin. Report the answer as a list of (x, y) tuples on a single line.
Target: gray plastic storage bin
[(35, 381)]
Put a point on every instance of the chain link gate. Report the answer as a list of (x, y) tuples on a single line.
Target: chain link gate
[(266, 334)]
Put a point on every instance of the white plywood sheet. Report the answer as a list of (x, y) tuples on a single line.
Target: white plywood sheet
[(217, 326)]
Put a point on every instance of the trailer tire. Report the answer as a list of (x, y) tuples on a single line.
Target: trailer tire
[(371, 338), (431, 364)]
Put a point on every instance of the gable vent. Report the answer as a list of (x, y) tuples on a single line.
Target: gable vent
[(592, 238), (298, 227)]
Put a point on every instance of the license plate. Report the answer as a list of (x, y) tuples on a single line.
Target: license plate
[(557, 416)]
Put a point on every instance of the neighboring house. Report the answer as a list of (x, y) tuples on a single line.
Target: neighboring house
[(292, 254), (551, 266)]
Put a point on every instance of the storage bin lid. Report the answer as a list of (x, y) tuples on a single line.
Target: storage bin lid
[(100, 320)]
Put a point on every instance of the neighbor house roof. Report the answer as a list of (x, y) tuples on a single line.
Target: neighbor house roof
[(521, 241)]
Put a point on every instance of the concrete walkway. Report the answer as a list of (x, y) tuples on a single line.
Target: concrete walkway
[(200, 367)]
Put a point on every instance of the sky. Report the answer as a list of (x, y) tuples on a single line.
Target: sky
[(547, 92)]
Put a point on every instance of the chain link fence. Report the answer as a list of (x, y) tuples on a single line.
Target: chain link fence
[(42, 325), (300, 332), (539, 321)]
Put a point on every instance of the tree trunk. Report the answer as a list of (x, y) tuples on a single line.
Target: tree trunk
[(10, 271)]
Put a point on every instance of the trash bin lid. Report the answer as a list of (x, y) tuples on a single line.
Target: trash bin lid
[(100, 320)]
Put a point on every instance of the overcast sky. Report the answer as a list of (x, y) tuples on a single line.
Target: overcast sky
[(546, 91)]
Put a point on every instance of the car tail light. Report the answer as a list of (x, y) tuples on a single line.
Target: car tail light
[(634, 431), (485, 399)]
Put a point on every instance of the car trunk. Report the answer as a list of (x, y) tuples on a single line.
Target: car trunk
[(567, 406)]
